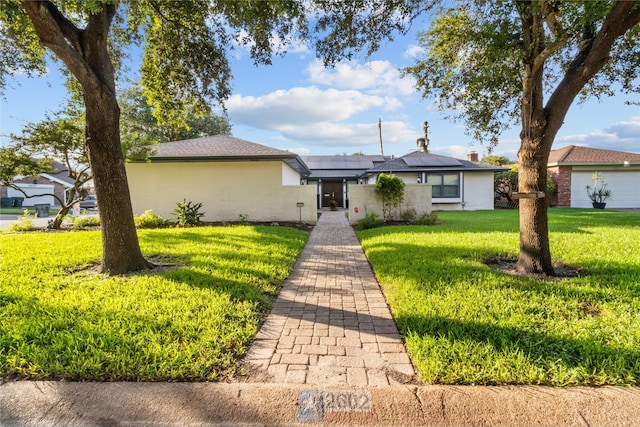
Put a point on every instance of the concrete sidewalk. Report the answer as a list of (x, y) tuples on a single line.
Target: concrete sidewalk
[(329, 353)]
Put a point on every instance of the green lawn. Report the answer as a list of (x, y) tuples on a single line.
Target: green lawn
[(465, 323), (60, 320)]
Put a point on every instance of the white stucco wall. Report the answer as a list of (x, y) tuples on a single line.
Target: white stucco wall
[(624, 186), (363, 199), (476, 191), (226, 190), (290, 176)]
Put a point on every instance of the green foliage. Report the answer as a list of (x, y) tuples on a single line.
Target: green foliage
[(474, 58), (24, 223), (189, 321), (59, 137), (426, 219), (599, 193), (140, 131), (465, 322), (188, 213), (243, 219), (496, 160), (86, 221), (390, 190), (506, 182), (16, 161), (148, 219), (370, 220)]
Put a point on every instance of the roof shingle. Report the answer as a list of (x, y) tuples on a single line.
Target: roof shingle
[(577, 154), (218, 146)]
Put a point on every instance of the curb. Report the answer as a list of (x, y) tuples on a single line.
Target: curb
[(49, 403)]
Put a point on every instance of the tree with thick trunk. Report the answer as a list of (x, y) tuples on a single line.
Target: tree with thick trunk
[(492, 64), (184, 68), (85, 53)]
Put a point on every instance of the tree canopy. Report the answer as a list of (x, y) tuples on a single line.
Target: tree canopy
[(141, 132), (494, 64)]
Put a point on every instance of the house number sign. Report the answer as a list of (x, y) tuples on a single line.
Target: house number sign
[(313, 404)]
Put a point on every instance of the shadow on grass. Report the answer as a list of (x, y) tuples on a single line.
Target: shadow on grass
[(542, 350), (568, 220)]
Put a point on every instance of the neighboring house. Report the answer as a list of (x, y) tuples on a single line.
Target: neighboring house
[(572, 169), (231, 177), (332, 175), (455, 184), (56, 182)]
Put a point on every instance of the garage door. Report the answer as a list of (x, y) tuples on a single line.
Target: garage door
[(32, 189), (623, 186)]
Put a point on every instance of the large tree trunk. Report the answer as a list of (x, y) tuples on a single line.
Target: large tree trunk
[(120, 249), (535, 253), (85, 52)]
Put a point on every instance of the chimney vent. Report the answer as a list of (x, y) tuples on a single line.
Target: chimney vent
[(472, 157)]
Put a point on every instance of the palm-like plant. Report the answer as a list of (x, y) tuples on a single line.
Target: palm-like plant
[(599, 193)]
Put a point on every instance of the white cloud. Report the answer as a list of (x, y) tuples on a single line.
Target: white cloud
[(349, 134), (413, 51), (302, 106), (242, 44), (620, 136), (375, 77), (300, 150)]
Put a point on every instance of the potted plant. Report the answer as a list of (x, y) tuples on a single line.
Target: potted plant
[(333, 205), (599, 193)]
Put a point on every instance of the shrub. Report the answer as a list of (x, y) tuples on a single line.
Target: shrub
[(24, 223), (371, 220), (86, 221), (390, 190), (149, 220), (408, 215), (188, 214), (426, 219)]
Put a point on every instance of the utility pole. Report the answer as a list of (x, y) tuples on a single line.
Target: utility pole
[(380, 135)]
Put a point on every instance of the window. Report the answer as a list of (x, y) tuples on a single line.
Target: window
[(444, 185)]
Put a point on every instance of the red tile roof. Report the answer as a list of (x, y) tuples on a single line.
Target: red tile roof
[(573, 154)]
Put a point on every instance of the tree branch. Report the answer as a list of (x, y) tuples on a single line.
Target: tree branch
[(590, 60), (51, 35)]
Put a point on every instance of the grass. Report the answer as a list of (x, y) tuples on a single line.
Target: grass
[(466, 323), (59, 320)]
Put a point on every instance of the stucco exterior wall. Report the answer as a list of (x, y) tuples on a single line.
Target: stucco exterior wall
[(623, 183), (363, 200), (225, 189), (476, 191), (290, 176)]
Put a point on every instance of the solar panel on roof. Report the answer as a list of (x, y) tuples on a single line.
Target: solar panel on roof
[(338, 162), (431, 161)]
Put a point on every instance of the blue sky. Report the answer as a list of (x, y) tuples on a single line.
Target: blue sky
[(297, 105)]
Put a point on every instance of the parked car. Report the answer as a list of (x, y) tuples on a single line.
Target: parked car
[(89, 202)]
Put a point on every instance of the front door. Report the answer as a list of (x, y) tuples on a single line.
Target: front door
[(332, 190)]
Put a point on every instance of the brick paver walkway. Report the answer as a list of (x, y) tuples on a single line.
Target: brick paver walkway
[(331, 323)]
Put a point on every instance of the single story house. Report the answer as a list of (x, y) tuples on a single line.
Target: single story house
[(455, 184), (231, 177), (332, 175), (572, 169), (44, 186)]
